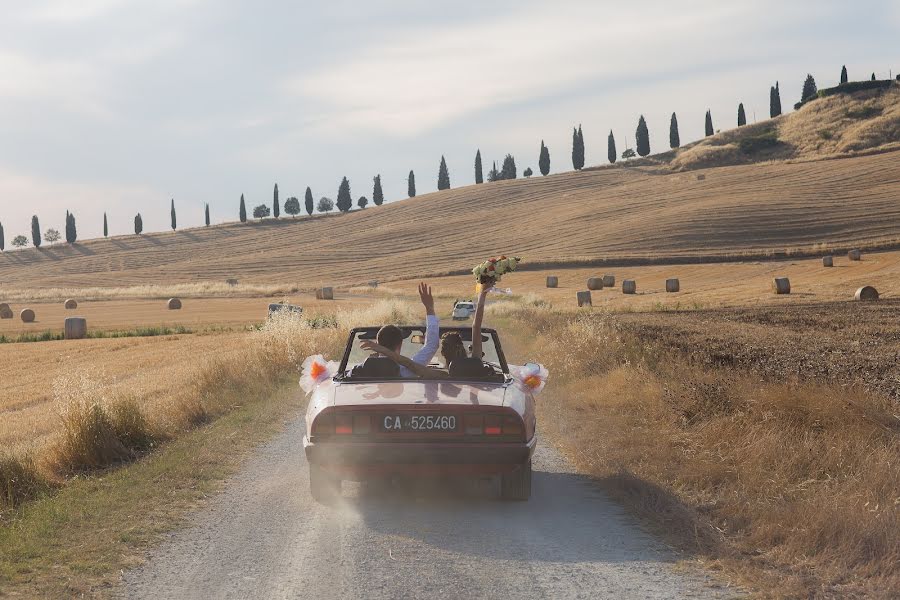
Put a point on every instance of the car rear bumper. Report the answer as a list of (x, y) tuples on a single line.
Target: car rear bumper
[(362, 460)]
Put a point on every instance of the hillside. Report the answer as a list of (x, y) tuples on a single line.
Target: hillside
[(632, 212)]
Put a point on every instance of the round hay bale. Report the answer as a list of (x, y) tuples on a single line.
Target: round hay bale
[(231, 281), (781, 285), (5, 311), (76, 328), (701, 177), (174, 304), (827, 261), (27, 316), (327, 293), (552, 281), (584, 298), (373, 284), (609, 280), (854, 255), (629, 286), (866, 294), (71, 304), (673, 285), (595, 283)]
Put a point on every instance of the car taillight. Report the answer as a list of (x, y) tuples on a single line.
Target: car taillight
[(512, 426), (343, 424), (492, 425), (323, 425)]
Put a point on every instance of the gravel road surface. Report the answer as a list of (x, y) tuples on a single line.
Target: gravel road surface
[(264, 537)]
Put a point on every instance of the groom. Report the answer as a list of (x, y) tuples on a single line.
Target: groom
[(391, 336)]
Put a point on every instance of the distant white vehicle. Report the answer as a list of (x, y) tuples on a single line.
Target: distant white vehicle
[(463, 310)]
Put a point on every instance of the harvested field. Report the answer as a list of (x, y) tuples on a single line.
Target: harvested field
[(702, 286), (629, 213), (195, 314), (151, 369), (840, 343)]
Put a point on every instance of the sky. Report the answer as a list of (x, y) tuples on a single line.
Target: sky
[(119, 106)]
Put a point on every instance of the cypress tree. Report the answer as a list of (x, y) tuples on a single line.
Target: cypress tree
[(873, 76), (809, 88), (242, 211), (276, 207), (174, 222), (377, 194), (308, 201), (206, 214), (577, 148), (844, 74), (105, 226), (344, 200), (411, 185), (777, 99), (508, 170), (611, 148), (642, 137), (2, 239), (674, 138), (709, 125), (494, 174), (742, 117), (479, 176), (138, 224), (443, 176), (71, 232), (772, 112), (544, 159), (35, 232)]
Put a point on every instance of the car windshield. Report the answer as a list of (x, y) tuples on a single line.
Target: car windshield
[(468, 305), (415, 340)]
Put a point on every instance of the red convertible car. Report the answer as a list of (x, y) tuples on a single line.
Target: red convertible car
[(476, 424)]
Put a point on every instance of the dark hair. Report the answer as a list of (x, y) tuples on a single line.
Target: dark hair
[(390, 337), (452, 347)]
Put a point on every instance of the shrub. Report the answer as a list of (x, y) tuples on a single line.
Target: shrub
[(826, 134), (528, 172), (756, 143), (261, 211), (19, 480), (866, 112)]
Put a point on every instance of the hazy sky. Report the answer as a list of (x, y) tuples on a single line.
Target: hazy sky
[(118, 106)]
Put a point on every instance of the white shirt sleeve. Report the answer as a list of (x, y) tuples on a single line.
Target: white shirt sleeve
[(432, 341)]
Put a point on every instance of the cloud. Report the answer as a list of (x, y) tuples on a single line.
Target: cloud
[(51, 199), (426, 79)]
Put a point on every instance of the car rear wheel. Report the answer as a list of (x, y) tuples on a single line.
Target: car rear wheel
[(323, 486), (517, 484)]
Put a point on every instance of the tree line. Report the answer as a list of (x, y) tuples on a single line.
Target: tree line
[(508, 170)]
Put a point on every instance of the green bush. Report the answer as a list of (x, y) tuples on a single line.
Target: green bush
[(848, 88), (866, 112), (756, 143)]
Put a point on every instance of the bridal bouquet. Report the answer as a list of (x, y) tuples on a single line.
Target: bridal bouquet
[(315, 371), (491, 270)]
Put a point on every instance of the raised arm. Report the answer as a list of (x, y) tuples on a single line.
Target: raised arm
[(432, 328), (403, 361), (476, 323)]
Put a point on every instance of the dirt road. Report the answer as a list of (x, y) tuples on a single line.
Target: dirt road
[(264, 537)]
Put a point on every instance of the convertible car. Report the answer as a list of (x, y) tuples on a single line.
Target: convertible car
[(477, 424)]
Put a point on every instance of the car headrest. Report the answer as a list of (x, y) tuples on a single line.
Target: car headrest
[(469, 368), (375, 367)]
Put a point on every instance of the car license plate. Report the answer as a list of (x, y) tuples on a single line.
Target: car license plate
[(443, 423)]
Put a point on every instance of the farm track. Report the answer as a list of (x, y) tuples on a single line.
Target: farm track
[(264, 537), (613, 214)]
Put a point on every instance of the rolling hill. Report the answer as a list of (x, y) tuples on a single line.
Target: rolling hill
[(664, 208)]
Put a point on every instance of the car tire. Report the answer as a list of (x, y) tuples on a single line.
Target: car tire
[(517, 484), (323, 486)]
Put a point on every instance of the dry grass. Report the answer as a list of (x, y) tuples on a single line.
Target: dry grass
[(791, 487), (205, 289), (95, 420)]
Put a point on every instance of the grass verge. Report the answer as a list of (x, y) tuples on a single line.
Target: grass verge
[(77, 540), (790, 487)]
